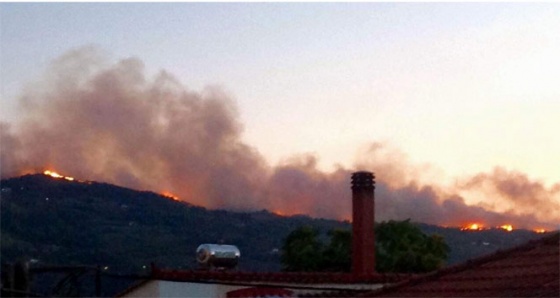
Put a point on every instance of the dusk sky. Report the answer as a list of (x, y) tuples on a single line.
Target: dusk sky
[(453, 88)]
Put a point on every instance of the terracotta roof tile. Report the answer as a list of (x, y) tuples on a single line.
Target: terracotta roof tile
[(532, 269)]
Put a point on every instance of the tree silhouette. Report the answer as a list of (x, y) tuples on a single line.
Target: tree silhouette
[(337, 255), (302, 251), (400, 247)]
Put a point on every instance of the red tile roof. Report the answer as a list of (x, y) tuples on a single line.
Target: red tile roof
[(529, 270)]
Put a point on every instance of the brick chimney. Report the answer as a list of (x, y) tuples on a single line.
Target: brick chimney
[(363, 243)]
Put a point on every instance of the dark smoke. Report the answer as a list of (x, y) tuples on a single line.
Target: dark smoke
[(116, 126), (9, 154), (108, 122), (518, 193), (299, 187)]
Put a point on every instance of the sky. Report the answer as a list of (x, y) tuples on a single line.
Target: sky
[(455, 89)]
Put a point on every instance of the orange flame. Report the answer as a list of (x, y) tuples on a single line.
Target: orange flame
[(170, 195), (278, 212), (57, 175), (508, 228), (52, 174), (472, 227), (539, 231)]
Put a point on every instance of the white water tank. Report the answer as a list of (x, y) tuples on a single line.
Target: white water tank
[(218, 255)]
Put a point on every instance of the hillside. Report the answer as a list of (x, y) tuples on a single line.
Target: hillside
[(57, 221), (67, 222)]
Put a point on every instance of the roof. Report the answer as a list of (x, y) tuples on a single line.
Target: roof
[(277, 284), (529, 270), (308, 278)]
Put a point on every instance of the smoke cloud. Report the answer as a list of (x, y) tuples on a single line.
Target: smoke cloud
[(514, 193), (108, 122)]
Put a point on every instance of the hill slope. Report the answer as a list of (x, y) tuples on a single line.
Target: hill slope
[(68, 222)]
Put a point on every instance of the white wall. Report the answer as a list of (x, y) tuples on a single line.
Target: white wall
[(149, 289), (160, 288)]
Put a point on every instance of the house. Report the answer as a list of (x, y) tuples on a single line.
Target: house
[(531, 269), (196, 283), (192, 283)]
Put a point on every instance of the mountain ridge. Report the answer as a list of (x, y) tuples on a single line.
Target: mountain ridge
[(61, 221)]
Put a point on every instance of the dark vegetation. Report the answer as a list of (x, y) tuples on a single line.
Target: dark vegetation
[(400, 247), (60, 222), (65, 222)]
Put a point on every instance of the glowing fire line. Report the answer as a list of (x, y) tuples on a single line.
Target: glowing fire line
[(468, 227), (508, 228), (57, 175), (480, 227), (170, 195), (472, 227)]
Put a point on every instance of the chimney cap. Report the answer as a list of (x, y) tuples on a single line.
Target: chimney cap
[(363, 180)]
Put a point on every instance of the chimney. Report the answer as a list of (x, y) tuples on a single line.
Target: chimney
[(363, 243)]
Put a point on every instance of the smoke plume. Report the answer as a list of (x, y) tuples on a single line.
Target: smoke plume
[(108, 122)]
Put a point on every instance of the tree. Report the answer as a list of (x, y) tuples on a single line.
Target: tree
[(400, 247), (302, 251), (337, 255)]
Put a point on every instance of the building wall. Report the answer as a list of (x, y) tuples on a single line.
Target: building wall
[(160, 288), (187, 289), (148, 289)]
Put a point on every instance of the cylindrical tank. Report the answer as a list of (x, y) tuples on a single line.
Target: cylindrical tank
[(217, 255)]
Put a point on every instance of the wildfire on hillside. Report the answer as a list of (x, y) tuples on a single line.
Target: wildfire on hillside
[(192, 143), (480, 227), (170, 195), (539, 231), (508, 228), (278, 213), (57, 175), (473, 227)]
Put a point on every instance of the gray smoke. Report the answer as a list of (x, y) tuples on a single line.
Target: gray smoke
[(108, 122)]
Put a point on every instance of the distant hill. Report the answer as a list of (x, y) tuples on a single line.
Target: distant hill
[(61, 222), (67, 222)]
